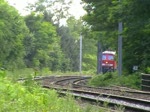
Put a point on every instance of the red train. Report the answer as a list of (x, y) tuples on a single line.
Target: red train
[(108, 61)]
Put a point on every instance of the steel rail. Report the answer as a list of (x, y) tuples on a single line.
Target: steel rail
[(133, 104)]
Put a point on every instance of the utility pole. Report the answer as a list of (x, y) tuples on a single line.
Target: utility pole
[(99, 58), (120, 28), (80, 65)]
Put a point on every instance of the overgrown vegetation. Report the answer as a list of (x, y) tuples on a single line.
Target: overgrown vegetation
[(147, 70), (30, 97), (112, 79)]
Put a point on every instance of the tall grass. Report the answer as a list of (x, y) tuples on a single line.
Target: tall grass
[(112, 78), (29, 97), (27, 72)]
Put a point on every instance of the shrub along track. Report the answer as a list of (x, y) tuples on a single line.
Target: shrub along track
[(132, 100)]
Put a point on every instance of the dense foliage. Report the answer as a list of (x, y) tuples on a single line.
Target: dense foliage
[(103, 17), (43, 44), (69, 33), (70, 44), (40, 41), (12, 33)]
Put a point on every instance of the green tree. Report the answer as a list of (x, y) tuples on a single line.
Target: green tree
[(136, 37), (101, 25), (89, 62), (68, 33), (70, 43), (42, 45), (52, 13), (70, 38), (12, 32), (103, 17), (55, 11)]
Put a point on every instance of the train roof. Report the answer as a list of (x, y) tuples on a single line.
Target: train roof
[(109, 52)]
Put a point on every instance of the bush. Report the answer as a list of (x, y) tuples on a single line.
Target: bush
[(111, 78), (147, 70)]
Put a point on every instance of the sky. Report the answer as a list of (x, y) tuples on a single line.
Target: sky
[(76, 8)]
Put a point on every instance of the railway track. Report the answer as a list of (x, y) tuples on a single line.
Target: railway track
[(131, 100), (136, 105)]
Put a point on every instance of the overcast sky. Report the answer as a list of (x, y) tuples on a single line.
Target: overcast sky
[(76, 8)]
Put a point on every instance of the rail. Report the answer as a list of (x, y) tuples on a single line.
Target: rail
[(145, 79)]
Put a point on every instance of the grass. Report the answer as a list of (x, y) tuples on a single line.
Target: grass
[(29, 97), (111, 78), (30, 72)]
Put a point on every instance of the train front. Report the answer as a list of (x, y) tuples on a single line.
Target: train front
[(108, 61)]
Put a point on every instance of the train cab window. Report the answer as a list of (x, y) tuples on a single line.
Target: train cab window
[(104, 57), (110, 57)]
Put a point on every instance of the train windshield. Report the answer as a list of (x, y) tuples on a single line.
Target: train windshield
[(107, 57), (104, 57), (110, 57)]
